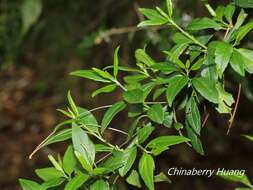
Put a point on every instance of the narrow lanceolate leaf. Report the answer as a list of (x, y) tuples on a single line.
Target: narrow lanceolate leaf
[(62, 135), (110, 113), (116, 62), (176, 84), (99, 185), (28, 184), (134, 96), (83, 145), (195, 141), (244, 3), (207, 88), (247, 59), (89, 74), (134, 179), (142, 57), (229, 12), (250, 137), (237, 178), (105, 89), (76, 182), (243, 31), (166, 141), (69, 160), (72, 103), (156, 113), (48, 174), (128, 158), (237, 63), (143, 133), (193, 115), (154, 18), (169, 7), (146, 169), (223, 54), (204, 23)]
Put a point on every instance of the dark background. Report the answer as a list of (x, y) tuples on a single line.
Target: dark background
[(70, 35)]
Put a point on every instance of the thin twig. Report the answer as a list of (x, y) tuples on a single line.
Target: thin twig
[(235, 109), (205, 120)]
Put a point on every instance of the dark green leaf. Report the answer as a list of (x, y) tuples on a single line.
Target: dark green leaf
[(193, 115), (116, 62), (195, 141), (236, 62), (166, 141), (156, 113), (247, 59), (176, 84)]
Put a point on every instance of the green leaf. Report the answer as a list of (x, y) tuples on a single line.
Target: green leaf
[(146, 169), (28, 184), (30, 12), (236, 62), (193, 115), (247, 59), (88, 119), (156, 113), (72, 103), (83, 145), (102, 148), (103, 74), (114, 162), (176, 84), (69, 160), (244, 3), (56, 164), (250, 137), (166, 141), (51, 183), (128, 159), (100, 185), (144, 132), (116, 62), (197, 65), (165, 67), (223, 54), (89, 74), (168, 119), (236, 178), (134, 179), (110, 113), (195, 141), (105, 89), (142, 57), (48, 173), (229, 12), (161, 177), (204, 23), (207, 88), (63, 135), (76, 182), (134, 78), (158, 92), (225, 100), (134, 96), (169, 7), (154, 18), (243, 31)]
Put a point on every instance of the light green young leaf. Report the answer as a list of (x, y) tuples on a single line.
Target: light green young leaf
[(102, 148), (229, 12), (207, 88), (169, 7), (146, 169), (72, 103), (161, 177), (134, 179), (103, 74), (116, 62), (176, 84), (166, 141), (223, 54), (142, 57), (28, 184), (62, 135), (195, 141), (100, 185), (48, 173), (134, 96), (128, 159), (76, 182), (237, 178), (83, 145), (143, 133), (105, 89), (168, 119), (156, 113), (30, 12), (89, 74), (134, 78), (55, 163), (193, 115), (154, 18), (204, 23), (237, 63), (244, 3), (243, 31), (110, 113), (69, 160), (250, 137), (225, 100), (88, 119)]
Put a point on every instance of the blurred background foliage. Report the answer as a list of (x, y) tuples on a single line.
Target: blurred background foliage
[(41, 41)]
